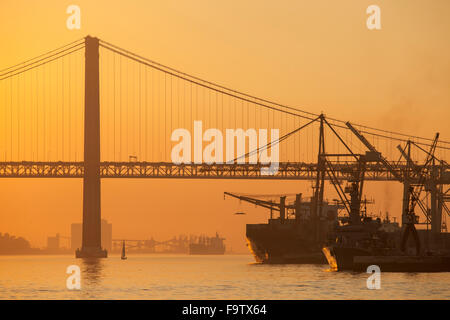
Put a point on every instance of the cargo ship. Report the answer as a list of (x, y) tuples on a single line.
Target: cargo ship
[(370, 237), (356, 247), (207, 245), (360, 241), (294, 235), (375, 242)]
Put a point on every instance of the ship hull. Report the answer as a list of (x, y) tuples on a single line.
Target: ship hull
[(291, 254), (341, 258), (403, 263), (354, 259), (283, 243)]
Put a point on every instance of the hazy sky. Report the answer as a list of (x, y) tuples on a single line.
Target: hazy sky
[(315, 55)]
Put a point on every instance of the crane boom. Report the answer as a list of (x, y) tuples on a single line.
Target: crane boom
[(262, 203), (281, 206), (374, 150)]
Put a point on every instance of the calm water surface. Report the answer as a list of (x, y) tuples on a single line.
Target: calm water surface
[(203, 277)]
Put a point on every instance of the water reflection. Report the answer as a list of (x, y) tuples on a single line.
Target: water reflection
[(92, 270), (187, 277)]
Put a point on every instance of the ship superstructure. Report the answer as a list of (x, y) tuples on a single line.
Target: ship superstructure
[(292, 234)]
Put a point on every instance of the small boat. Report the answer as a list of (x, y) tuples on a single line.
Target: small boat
[(123, 256)]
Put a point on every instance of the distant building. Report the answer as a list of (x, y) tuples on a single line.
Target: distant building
[(53, 242), (76, 232), (12, 245), (106, 235)]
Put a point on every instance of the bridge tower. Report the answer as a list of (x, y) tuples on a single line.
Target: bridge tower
[(91, 238)]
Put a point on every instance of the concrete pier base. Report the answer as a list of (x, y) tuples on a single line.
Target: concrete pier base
[(91, 253)]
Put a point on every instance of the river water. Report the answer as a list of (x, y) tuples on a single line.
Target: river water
[(203, 277)]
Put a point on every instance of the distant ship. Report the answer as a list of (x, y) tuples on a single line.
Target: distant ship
[(208, 245)]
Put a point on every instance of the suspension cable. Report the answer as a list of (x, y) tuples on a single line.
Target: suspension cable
[(42, 55), (31, 66), (260, 99), (245, 97)]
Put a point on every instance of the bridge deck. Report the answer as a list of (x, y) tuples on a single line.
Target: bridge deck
[(287, 171)]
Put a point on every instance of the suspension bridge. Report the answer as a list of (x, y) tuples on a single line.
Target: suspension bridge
[(93, 110)]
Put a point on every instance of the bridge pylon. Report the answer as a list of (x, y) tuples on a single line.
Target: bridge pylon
[(91, 239)]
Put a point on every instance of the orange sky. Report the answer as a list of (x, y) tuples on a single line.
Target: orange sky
[(315, 55)]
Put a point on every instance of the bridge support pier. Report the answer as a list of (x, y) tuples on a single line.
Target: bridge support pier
[(91, 238)]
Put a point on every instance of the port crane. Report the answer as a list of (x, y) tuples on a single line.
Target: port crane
[(415, 179), (423, 174), (356, 176)]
